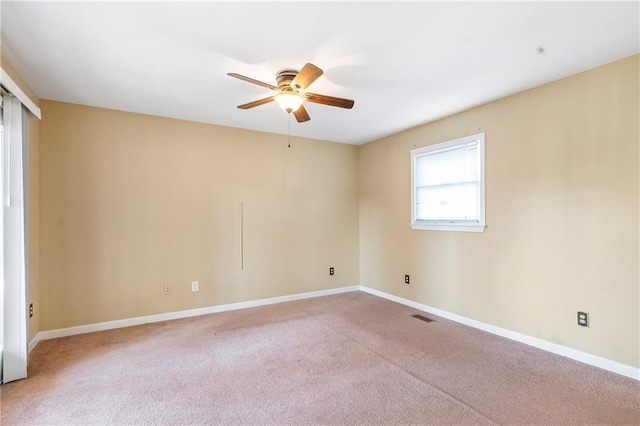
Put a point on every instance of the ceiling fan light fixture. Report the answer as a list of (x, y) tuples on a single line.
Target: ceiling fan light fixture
[(289, 101), (291, 94)]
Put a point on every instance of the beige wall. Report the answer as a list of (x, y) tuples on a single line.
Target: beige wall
[(33, 227), (131, 202), (562, 199)]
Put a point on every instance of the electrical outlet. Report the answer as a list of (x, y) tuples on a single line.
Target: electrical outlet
[(406, 279), (583, 319), (30, 310), (195, 286), (331, 271), (167, 289)]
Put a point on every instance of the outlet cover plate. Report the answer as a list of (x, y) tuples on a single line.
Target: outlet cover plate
[(195, 286), (583, 319)]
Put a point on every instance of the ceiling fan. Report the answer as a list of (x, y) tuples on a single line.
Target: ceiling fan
[(291, 92)]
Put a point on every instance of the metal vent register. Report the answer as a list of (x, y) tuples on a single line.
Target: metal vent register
[(423, 318)]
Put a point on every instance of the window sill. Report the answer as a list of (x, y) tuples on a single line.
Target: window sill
[(448, 227)]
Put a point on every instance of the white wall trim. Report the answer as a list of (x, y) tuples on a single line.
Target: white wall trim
[(109, 325), (15, 90), (596, 361), (36, 339)]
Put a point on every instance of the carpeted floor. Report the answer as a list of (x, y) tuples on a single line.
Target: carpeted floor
[(346, 359)]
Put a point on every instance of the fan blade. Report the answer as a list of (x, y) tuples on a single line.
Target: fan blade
[(329, 100), (256, 103), (307, 75), (301, 114), (251, 80)]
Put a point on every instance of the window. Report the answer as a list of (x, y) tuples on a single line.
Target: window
[(447, 185)]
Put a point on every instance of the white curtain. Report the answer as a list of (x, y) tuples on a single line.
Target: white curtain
[(14, 186)]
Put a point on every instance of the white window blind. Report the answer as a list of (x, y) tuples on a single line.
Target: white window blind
[(448, 185), (14, 158)]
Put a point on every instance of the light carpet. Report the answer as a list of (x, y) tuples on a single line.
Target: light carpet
[(351, 358)]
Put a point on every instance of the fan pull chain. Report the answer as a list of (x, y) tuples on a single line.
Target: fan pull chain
[(289, 115)]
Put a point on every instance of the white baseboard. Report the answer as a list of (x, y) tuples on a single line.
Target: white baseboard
[(596, 361), (36, 339), (109, 325)]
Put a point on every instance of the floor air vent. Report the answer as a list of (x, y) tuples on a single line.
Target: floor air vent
[(422, 318)]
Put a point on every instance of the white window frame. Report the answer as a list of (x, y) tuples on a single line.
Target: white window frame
[(451, 225)]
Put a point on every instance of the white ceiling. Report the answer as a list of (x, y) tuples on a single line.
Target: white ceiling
[(403, 63)]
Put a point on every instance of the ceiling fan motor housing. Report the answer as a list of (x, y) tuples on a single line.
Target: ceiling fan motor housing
[(285, 77)]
